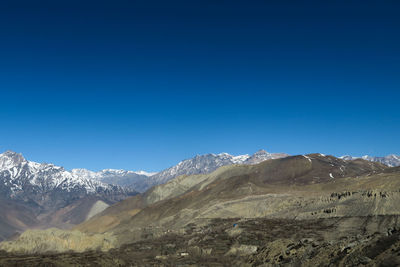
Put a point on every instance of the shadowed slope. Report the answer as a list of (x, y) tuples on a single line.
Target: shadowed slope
[(15, 218)]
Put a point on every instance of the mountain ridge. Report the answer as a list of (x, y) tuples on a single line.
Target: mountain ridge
[(390, 160), (186, 197), (207, 163), (200, 164), (347, 201), (45, 195), (21, 172)]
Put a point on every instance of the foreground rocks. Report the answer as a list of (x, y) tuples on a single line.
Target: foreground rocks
[(350, 241), (50, 240)]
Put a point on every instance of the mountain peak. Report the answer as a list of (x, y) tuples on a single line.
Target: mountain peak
[(224, 154), (201, 164), (11, 154), (391, 160), (145, 173), (261, 152), (10, 159)]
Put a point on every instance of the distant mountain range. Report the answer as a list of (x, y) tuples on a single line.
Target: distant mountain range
[(20, 176), (42, 195), (390, 160), (128, 179), (200, 164), (203, 164), (195, 191), (51, 176), (303, 186)]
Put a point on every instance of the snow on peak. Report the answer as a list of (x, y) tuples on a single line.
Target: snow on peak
[(241, 158), (261, 152), (308, 158), (84, 173), (10, 159), (391, 160), (145, 173), (235, 159), (201, 164), (17, 173)]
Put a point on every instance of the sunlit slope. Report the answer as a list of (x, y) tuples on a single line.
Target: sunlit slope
[(299, 187), (124, 210), (266, 189)]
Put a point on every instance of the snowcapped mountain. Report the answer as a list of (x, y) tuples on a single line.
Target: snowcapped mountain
[(45, 195), (23, 179), (389, 160), (201, 164), (130, 179), (262, 155), (107, 173), (141, 180)]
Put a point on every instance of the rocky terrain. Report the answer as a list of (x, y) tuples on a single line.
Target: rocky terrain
[(299, 210), (345, 241), (43, 195), (141, 181), (290, 187), (204, 164)]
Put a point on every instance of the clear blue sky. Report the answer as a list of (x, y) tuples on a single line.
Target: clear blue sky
[(145, 84)]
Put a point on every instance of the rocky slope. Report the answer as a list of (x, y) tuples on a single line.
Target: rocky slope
[(266, 189), (52, 239), (15, 217), (345, 241), (200, 164), (203, 164), (47, 195), (313, 210)]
